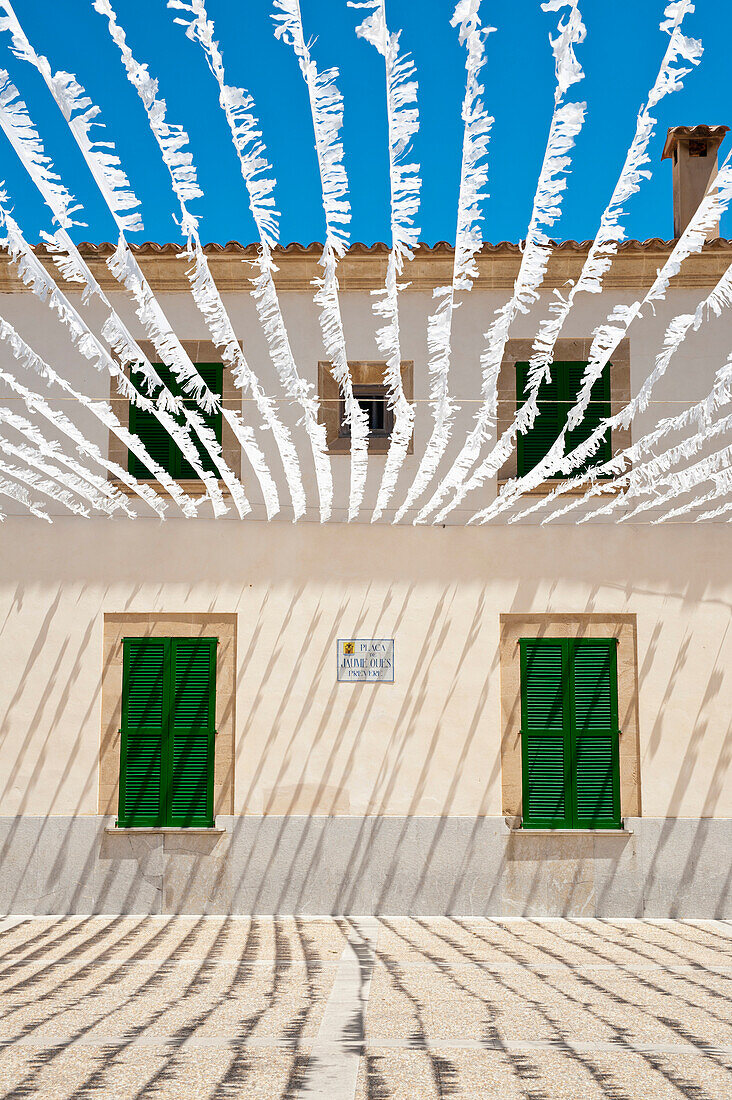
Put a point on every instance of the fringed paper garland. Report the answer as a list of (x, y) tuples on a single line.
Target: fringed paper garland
[(566, 123), (601, 254), (405, 184), (477, 125), (123, 265), (25, 355), (690, 242), (238, 107), (173, 142), (326, 108)]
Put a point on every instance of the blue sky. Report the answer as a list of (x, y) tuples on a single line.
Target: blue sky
[(620, 58)]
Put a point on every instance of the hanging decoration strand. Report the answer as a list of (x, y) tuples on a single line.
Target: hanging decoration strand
[(173, 143), (404, 188), (720, 297), (127, 271), (566, 123), (41, 482), (326, 109), (77, 480), (33, 274), (237, 106), (602, 251), (25, 355), (477, 125)]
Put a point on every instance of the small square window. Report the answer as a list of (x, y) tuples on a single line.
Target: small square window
[(373, 401)]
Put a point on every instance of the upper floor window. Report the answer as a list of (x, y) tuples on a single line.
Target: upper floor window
[(569, 733), (555, 399), (369, 389), (159, 444)]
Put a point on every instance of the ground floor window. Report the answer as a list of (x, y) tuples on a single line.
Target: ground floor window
[(167, 734), (569, 733)]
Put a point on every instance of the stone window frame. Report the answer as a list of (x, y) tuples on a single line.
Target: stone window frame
[(364, 372), (569, 350), (515, 626), (162, 624), (199, 351)]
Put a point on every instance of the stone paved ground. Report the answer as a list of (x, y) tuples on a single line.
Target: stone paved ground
[(158, 1007)]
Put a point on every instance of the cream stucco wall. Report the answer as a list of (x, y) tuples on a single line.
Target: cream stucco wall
[(426, 745), (689, 377)]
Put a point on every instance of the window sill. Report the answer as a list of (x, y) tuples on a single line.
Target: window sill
[(192, 487), (569, 832), (553, 483), (132, 831)]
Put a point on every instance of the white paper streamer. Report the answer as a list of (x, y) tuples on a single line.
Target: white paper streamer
[(477, 124), (80, 114), (691, 241), (244, 127), (76, 478), (125, 268), (326, 108), (405, 183), (42, 484), (173, 142), (567, 121), (25, 355), (22, 496), (34, 275), (601, 253)]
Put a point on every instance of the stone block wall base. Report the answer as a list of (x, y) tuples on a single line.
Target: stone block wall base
[(673, 867)]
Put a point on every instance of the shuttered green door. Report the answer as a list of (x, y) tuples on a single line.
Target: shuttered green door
[(569, 733), (144, 722), (167, 742), (545, 756), (192, 731), (153, 435), (595, 734)]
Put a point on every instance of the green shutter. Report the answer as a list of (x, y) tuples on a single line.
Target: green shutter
[(596, 764), (534, 445), (599, 409), (569, 733), (156, 439), (555, 399), (192, 731), (544, 741), (167, 745), (213, 376), (144, 720)]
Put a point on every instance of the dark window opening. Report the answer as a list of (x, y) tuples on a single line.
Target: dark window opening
[(373, 401), (697, 148)]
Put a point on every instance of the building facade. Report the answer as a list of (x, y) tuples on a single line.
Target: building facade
[(555, 736)]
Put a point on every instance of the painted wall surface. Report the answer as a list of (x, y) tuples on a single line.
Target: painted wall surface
[(426, 745), (689, 378)]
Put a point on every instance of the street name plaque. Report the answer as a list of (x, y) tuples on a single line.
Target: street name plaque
[(366, 660)]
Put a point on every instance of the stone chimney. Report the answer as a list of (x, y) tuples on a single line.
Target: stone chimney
[(693, 150)]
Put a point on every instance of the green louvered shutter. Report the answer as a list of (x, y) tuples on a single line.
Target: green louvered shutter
[(596, 767), (155, 439), (597, 410), (192, 731), (545, 747), (213, 376), (144, 722), (159, 443), (535, 444)]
